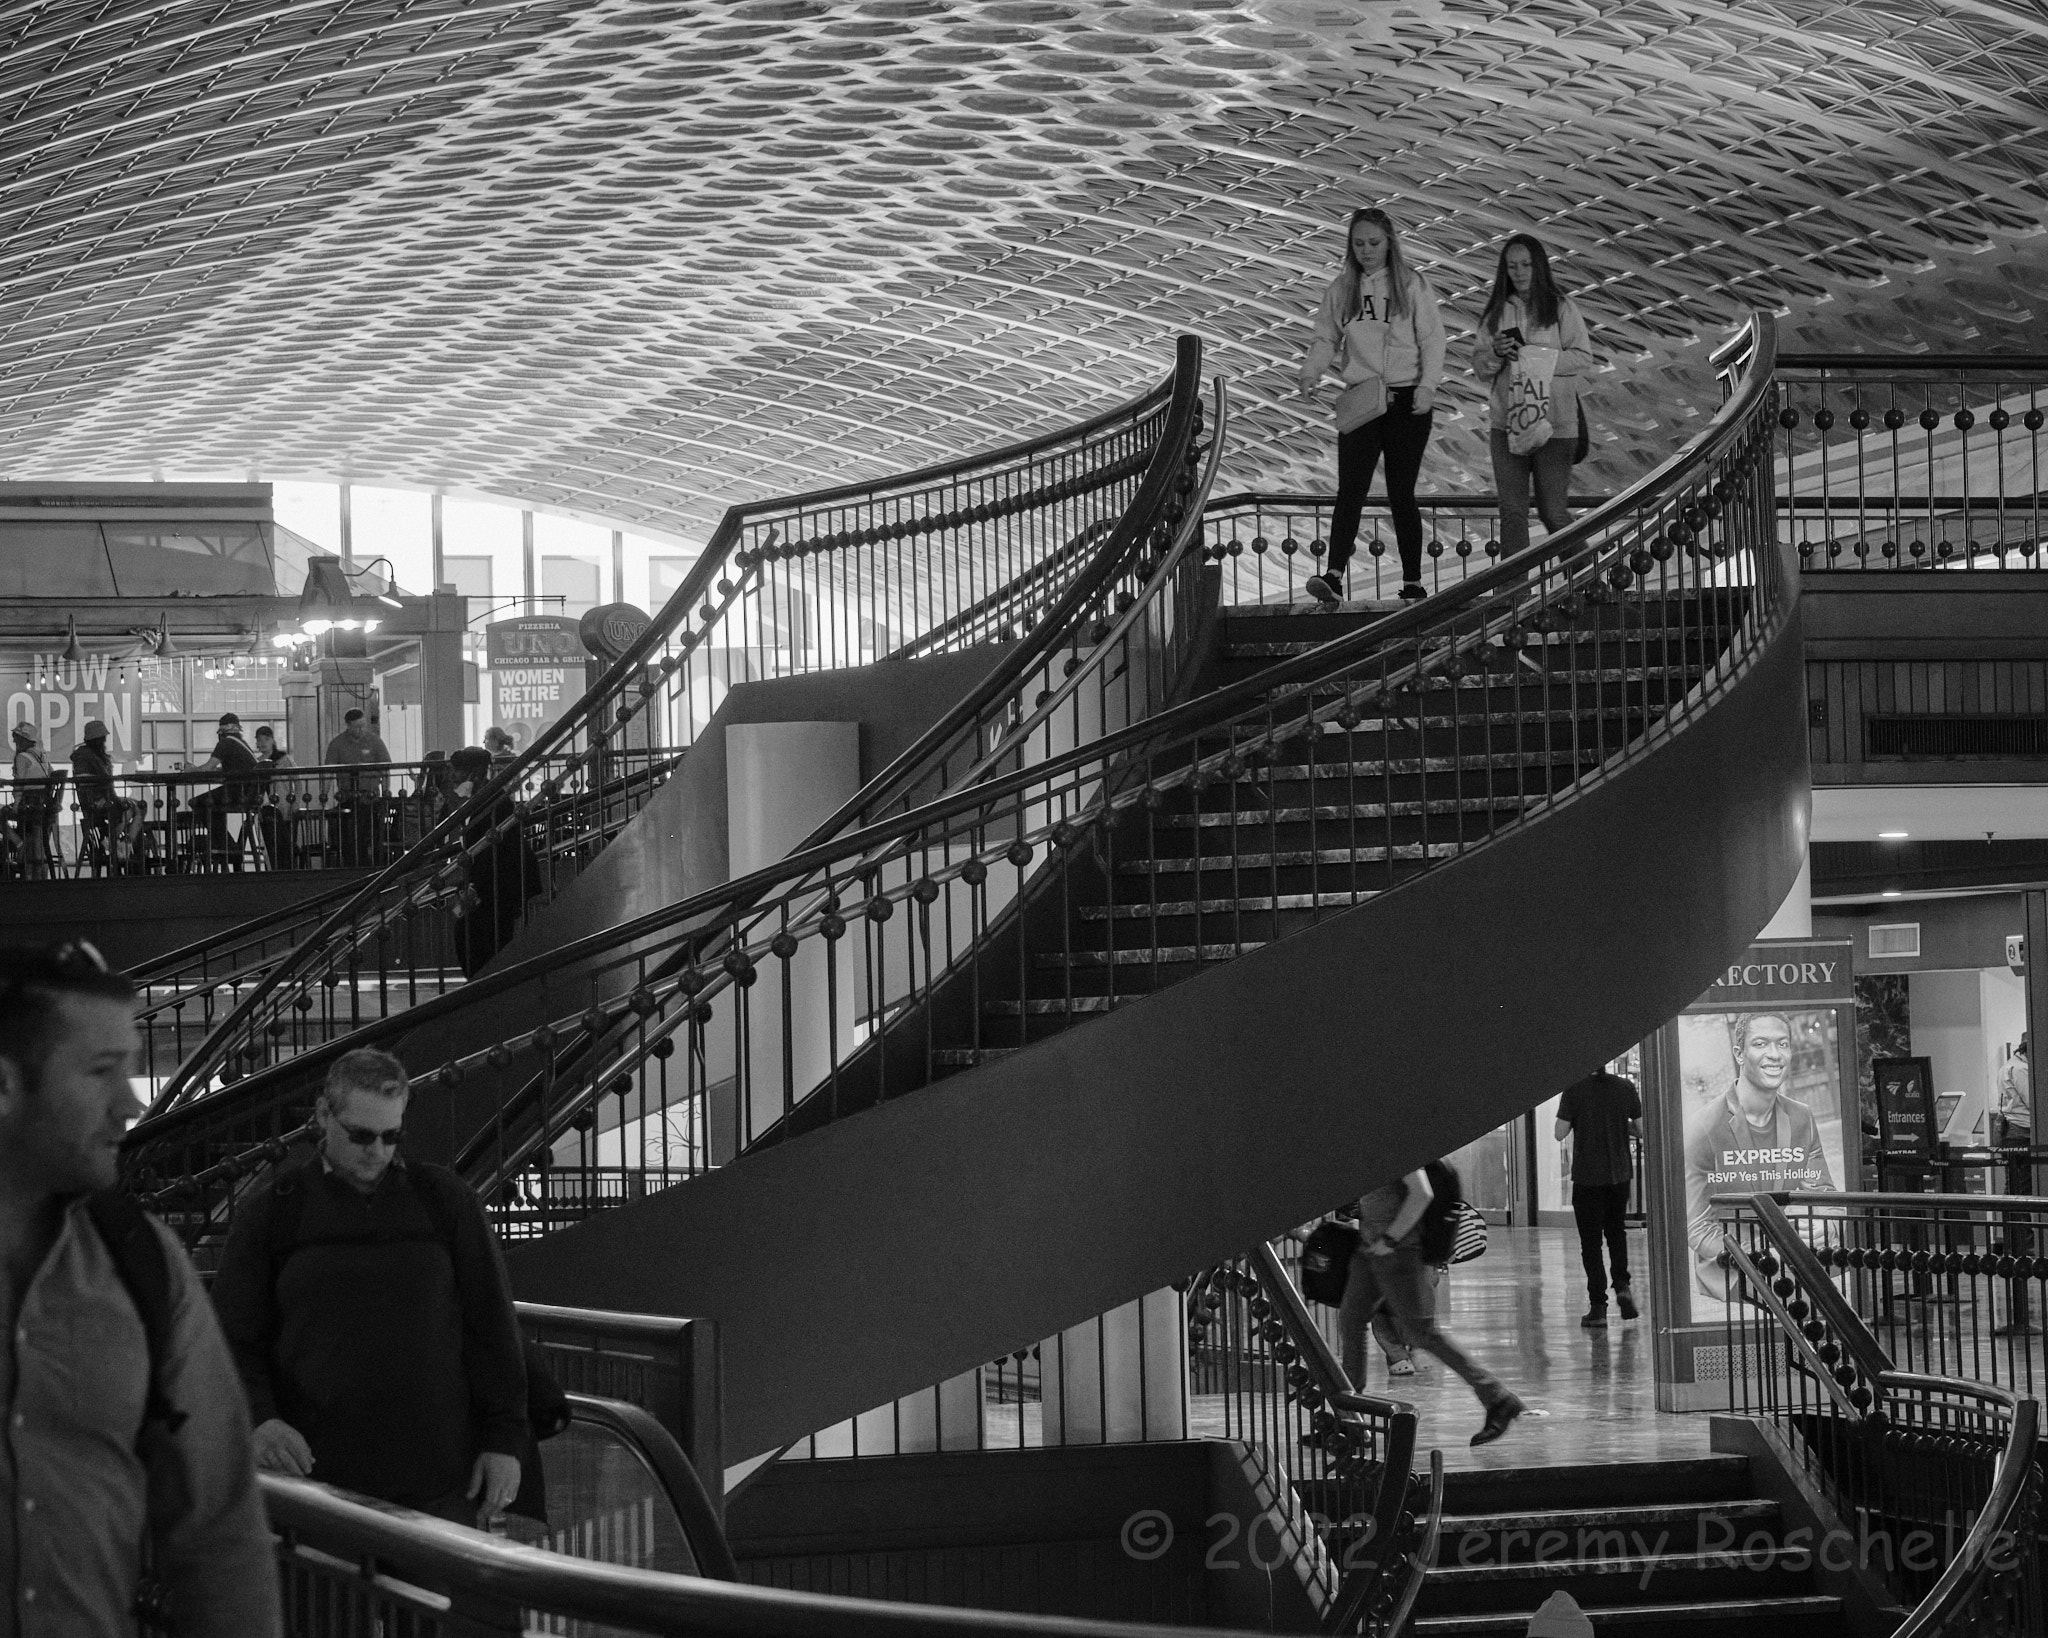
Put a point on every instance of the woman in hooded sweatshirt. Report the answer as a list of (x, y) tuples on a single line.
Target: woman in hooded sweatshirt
[(1378, 317), (1532, 350)]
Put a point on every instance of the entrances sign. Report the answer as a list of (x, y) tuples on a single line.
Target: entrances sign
[(1905, 1104), (533, 659), (1749, 1091)]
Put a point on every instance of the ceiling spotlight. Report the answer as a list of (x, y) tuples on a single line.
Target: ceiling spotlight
[(166, 649), (72, 652), (1892, 835)]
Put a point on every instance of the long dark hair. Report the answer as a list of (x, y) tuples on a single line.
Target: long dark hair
[(1543, 297), (1397, 265)]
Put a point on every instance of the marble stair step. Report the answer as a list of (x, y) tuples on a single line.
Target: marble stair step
[(1474, 1538), (1617, 1579), (1250, 903)]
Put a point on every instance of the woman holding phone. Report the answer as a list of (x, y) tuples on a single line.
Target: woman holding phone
[(1531, 352), (1377, 323)]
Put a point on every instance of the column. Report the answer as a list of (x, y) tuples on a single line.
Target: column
[(783, 779), (1119, 1379)]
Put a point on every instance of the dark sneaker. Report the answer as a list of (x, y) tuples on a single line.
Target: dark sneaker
[(1412, 592), (1498, 1417), (1595, 1320), (1626, 1302), (1324, 588)]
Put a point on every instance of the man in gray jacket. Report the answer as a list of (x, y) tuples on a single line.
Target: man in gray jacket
[(114, 1439)]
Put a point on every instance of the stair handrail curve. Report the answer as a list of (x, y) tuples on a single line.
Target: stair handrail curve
[(1742, 419), (1827, 1344), (1366, 1594), (939, 744), (1689, 505), (1129, 554), (671, 1468), (399, 1567), (725, 567)]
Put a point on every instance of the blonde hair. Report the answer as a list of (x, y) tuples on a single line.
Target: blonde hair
[(1397, 265)]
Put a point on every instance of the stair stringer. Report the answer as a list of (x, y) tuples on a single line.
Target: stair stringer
[(894, 1248)]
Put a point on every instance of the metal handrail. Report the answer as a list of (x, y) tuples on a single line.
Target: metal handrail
[(2015, 1467), (1835, 1308), (711, 563), (1327, 1372), (1425, 1550), (732, 900), (467, 1568), (672, 1470), (1304, 672), (2005, 362)]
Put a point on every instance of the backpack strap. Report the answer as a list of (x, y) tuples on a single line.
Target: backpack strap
[(433, 1194), (145, 1271), (287, 1208)]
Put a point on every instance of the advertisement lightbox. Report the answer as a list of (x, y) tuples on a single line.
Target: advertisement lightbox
[(1751, 1090)]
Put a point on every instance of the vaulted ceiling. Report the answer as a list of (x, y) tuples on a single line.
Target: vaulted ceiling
[(643, 258)]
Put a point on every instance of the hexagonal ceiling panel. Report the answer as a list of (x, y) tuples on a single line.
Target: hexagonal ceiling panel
[(642, 258)]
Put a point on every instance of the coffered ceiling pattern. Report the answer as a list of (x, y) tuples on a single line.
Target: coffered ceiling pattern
[(643, 258)]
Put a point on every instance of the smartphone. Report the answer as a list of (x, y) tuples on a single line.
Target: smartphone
[(1514, 333)]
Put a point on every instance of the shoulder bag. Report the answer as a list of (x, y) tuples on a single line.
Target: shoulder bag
[(1363, 402)]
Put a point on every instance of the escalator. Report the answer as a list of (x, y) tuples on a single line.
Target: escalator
[(1101, 1014)]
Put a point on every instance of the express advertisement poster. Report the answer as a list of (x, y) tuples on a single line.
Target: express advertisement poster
[(1747, 1092)]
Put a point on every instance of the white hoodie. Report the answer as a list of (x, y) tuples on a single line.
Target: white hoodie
[(1405, 349)]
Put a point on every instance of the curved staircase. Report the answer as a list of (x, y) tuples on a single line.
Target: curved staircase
[(1131, 993)]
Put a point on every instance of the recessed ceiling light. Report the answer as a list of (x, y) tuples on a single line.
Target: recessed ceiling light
[(1892, 835)]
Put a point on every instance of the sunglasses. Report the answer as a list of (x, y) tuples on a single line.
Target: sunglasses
[(363, 1136)]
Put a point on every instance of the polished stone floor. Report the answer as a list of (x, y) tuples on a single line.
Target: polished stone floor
[(1591, 1394)]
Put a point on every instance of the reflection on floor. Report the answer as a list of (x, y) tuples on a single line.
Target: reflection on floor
[(1592, 1394)]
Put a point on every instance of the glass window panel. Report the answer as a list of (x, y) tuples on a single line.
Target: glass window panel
[(664, 576), (312, 510), (572, 580), (397, 524)]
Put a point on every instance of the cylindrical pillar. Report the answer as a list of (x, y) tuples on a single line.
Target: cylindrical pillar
[(783, 779), (1119, 1379)]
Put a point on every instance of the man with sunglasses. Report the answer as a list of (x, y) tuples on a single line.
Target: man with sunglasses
[(122, 1435), (369, 1312)]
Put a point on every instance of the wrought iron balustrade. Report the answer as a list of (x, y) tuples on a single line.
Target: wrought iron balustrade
[(1937, 1477), (867, 966), (1266, 545), (1037, 543), (1927, 462)]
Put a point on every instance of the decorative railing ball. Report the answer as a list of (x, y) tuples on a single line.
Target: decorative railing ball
[(1894, 418)]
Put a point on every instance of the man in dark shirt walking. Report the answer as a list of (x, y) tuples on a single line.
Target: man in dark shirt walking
[(369, 1314), (1599, 1115)]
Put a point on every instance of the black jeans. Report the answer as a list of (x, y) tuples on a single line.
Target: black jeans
[(1598, 1208), (1401, 435)]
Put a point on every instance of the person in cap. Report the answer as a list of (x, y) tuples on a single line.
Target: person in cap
[(127, 1436), (33, 807), (104, 809), (235, 794)]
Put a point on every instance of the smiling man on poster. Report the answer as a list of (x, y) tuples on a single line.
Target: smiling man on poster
[(1755, 1140)]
